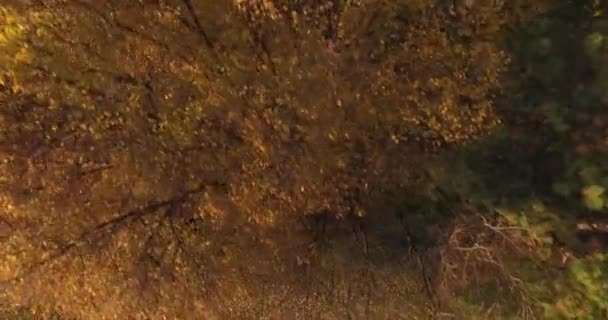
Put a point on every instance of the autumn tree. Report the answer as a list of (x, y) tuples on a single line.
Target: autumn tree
[(172, 158)]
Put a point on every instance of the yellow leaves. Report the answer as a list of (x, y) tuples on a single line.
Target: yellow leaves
[(16, 253), (298, 141), (14, 52), (332, 136), (24, 56), (259, 8), (12, 26)]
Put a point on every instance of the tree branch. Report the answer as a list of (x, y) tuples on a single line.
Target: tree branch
[(199, 27), (111, 225)]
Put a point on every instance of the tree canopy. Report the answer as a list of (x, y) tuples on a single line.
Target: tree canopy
[(331, 159)]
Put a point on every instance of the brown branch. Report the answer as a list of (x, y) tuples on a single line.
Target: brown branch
[(111, 225), (143, 211), (96, 169), (199, 27)]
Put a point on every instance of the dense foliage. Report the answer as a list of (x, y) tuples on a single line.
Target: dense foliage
[(290, 159)]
